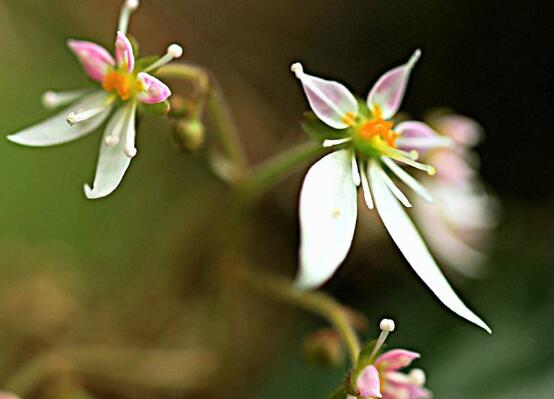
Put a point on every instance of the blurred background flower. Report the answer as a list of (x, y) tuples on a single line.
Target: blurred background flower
[(135, 296)]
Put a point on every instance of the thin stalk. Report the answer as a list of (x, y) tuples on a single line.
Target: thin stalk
[(316, 302), (271, 171)]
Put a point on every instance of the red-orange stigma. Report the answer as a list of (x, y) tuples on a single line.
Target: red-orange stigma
[(379, 128)]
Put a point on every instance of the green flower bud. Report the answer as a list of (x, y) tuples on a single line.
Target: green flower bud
[(190, 134)]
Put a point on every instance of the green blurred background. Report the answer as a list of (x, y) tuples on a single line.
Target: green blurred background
[(138, 279)]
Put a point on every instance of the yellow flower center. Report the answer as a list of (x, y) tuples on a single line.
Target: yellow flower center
[(124, 84), (378, 127)]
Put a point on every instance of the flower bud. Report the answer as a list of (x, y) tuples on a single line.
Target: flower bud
[(324, 347), (190, 134)]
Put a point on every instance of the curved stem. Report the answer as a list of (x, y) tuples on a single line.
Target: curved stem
[(316, 302), (217, 109), (272, 170)]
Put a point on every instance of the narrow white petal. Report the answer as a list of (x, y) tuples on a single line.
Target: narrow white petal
[(407, 179), (365, 186), (113, 161), (446, 244), (355, 171), (327, 218), (56, 130), (410, 243)]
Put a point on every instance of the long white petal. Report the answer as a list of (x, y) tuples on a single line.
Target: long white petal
[(113, 161), (410, 243), (446, 244), (327, 218), (56, 130)]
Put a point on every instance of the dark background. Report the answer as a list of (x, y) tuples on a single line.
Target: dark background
[(104, 271)]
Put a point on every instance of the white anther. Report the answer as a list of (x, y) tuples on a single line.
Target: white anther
[(49, 99), (297, 68), (72, 118), (111, 140), (130, 151), (387, 325), (417, 376), (132, 4), (175, 50)]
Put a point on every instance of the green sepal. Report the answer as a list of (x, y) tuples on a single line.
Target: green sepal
[(364, 111), (144, 62), (159, 109), (319, 130)]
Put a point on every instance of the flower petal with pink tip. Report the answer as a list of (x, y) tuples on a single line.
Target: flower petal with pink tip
[(155, 91), (331, 101), (419, 136), (396, 359), (387, 94), (124, 52), (368, 383), (461, 129), (95, 59)]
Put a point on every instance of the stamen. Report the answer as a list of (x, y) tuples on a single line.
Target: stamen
[(173, 51), (426, 168), (77, 117), (365, 186), (129, 148), (407, 179), (332, 143), (128, 7), (387, 326), (355, 171), (395, 190), (51, 99)]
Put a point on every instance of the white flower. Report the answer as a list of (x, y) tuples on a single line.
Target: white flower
[(369, 149), (124, 84)]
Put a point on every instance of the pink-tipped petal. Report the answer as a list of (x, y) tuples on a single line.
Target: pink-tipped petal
[(368, 383), (95, 59), (331, 101), (419, 136), (396, 359), (404, 390), (124, 52), (387, 94), (155, 91), (461, 129), (452, 168)]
